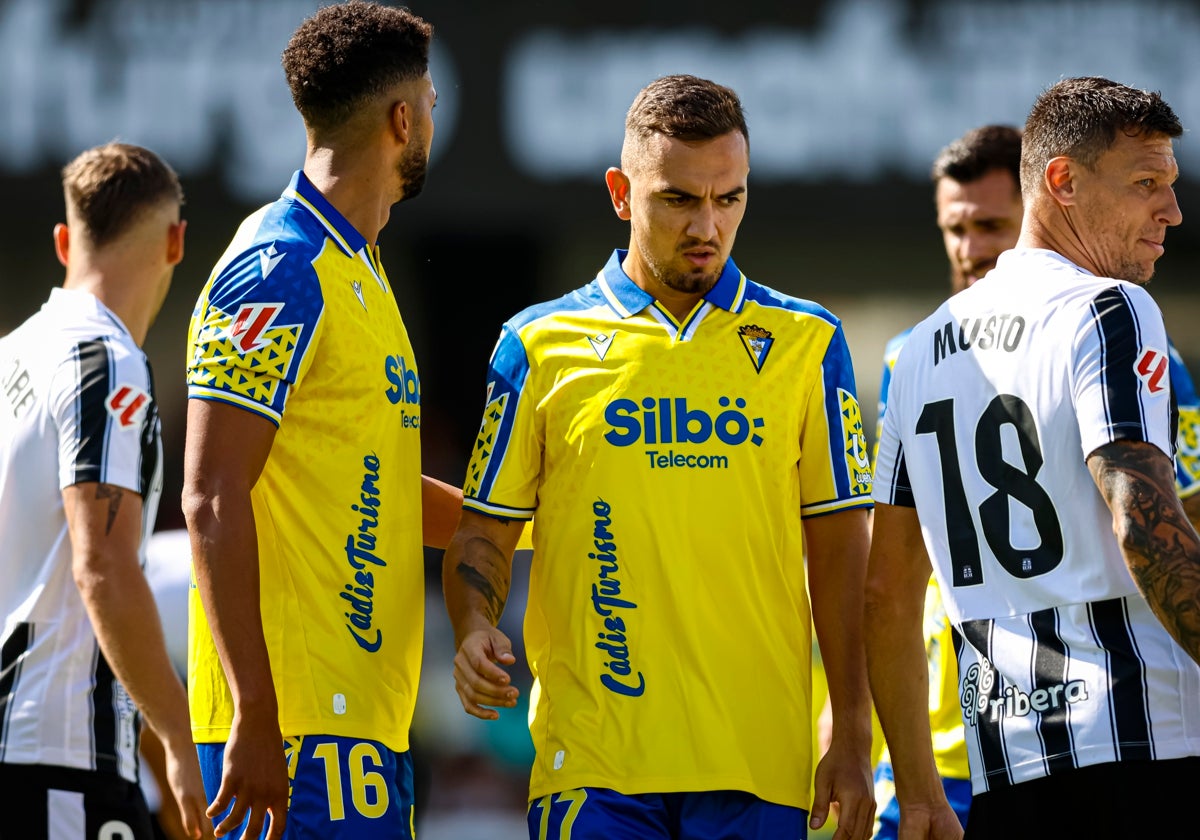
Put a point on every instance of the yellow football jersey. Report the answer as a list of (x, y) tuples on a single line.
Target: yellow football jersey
[(669, 466), (298, 324)]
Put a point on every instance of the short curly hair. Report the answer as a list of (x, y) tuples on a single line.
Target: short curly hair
[(108, 188), (349, 52)]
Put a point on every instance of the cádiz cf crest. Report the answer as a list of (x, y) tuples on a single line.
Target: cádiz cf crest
[(757, 342)]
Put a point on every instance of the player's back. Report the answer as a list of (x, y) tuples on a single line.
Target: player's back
[(997, 400), (1000, 395)]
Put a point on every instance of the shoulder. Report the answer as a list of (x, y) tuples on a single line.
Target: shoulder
[(799, 308), (580, 300)]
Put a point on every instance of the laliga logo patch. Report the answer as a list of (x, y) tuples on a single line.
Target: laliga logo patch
[(251, 321), (127, 405), (757, 342), (1152, 369)]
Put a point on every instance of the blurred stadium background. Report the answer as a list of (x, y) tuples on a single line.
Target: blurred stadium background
[(848, 102)]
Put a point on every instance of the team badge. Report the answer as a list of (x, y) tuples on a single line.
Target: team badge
[(600, 343), (757, 342), (1152, 370), (251, 321), (127, 404)]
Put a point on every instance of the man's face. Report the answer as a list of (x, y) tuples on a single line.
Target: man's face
[(1124, 206), (979, 220), (415, 161), (686, 200)]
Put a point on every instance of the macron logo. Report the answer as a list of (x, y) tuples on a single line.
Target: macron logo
[(127, 405), (252, 320), (1152, 369), (269, 257)]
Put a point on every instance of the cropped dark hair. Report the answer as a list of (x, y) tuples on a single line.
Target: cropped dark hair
[(978, 152), (350, 52), (1079, 118), (109, 187), (687, 108)]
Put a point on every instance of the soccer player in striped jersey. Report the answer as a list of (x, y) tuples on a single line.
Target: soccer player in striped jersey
[(681, 437), (977, 193), (1031, 428), (303, 490), (82, 656)]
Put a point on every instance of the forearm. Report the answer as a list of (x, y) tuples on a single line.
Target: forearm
[(899, 677), (121, 608), (476, 573), (441, 508), (225, 561), (837, 573), (1159, 543)]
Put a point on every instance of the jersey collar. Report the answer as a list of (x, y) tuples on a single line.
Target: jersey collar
[(627, 298), (340, 230)]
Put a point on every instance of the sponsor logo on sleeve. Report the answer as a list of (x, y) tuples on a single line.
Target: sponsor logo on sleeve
[(858, 461), (127, 404), (1152, 370), (247, 332)]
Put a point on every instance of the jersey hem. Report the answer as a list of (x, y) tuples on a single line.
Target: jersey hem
[(196, 392), (396, 743), (809, 511), (672, 784)]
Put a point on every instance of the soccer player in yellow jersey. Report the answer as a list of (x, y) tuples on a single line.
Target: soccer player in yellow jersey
[(303, 489), (682, 437)]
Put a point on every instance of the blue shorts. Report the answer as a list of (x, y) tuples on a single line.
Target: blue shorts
[(338, 788), (602, 814), (887, 817)]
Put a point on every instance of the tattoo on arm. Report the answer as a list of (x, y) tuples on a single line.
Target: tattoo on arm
[(1160, 544), (487, 572), (113, 494)]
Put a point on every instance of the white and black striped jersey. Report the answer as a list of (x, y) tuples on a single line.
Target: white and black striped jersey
[(76, 405), (995, 403)]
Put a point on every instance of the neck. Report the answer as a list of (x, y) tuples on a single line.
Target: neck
[(1053, 229), (133, 300), (352, 184), (679, 304)]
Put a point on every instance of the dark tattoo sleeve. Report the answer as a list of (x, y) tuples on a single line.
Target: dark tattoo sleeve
[(487, 572), (114, 495), (1160, 544)]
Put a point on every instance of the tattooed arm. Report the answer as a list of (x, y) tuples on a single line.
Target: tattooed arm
[(1159, 543), (105, 527), (476, 572)]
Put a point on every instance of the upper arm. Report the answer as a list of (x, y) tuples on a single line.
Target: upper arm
[(225, 450), (105, 526), (898, 565), (1133, 476)]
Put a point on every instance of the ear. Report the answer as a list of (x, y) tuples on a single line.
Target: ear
[(618, 191), (175, 242), (1060, 180), (62, 242), (398, 120)]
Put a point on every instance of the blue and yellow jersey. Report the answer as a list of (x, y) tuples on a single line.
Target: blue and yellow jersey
[(669, 465), (1187, 443), (299, 325)]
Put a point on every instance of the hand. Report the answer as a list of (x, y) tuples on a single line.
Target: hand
[(929, 822), (478, 679), (187, 819), (254, 779), (844, 777)]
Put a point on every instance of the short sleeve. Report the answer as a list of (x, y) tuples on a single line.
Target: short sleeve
[(891, 474), (1187, 440)]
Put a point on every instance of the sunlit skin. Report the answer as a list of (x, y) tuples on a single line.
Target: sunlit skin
[(1112, 219), (684, 201), (979, 220), (415, 161)]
